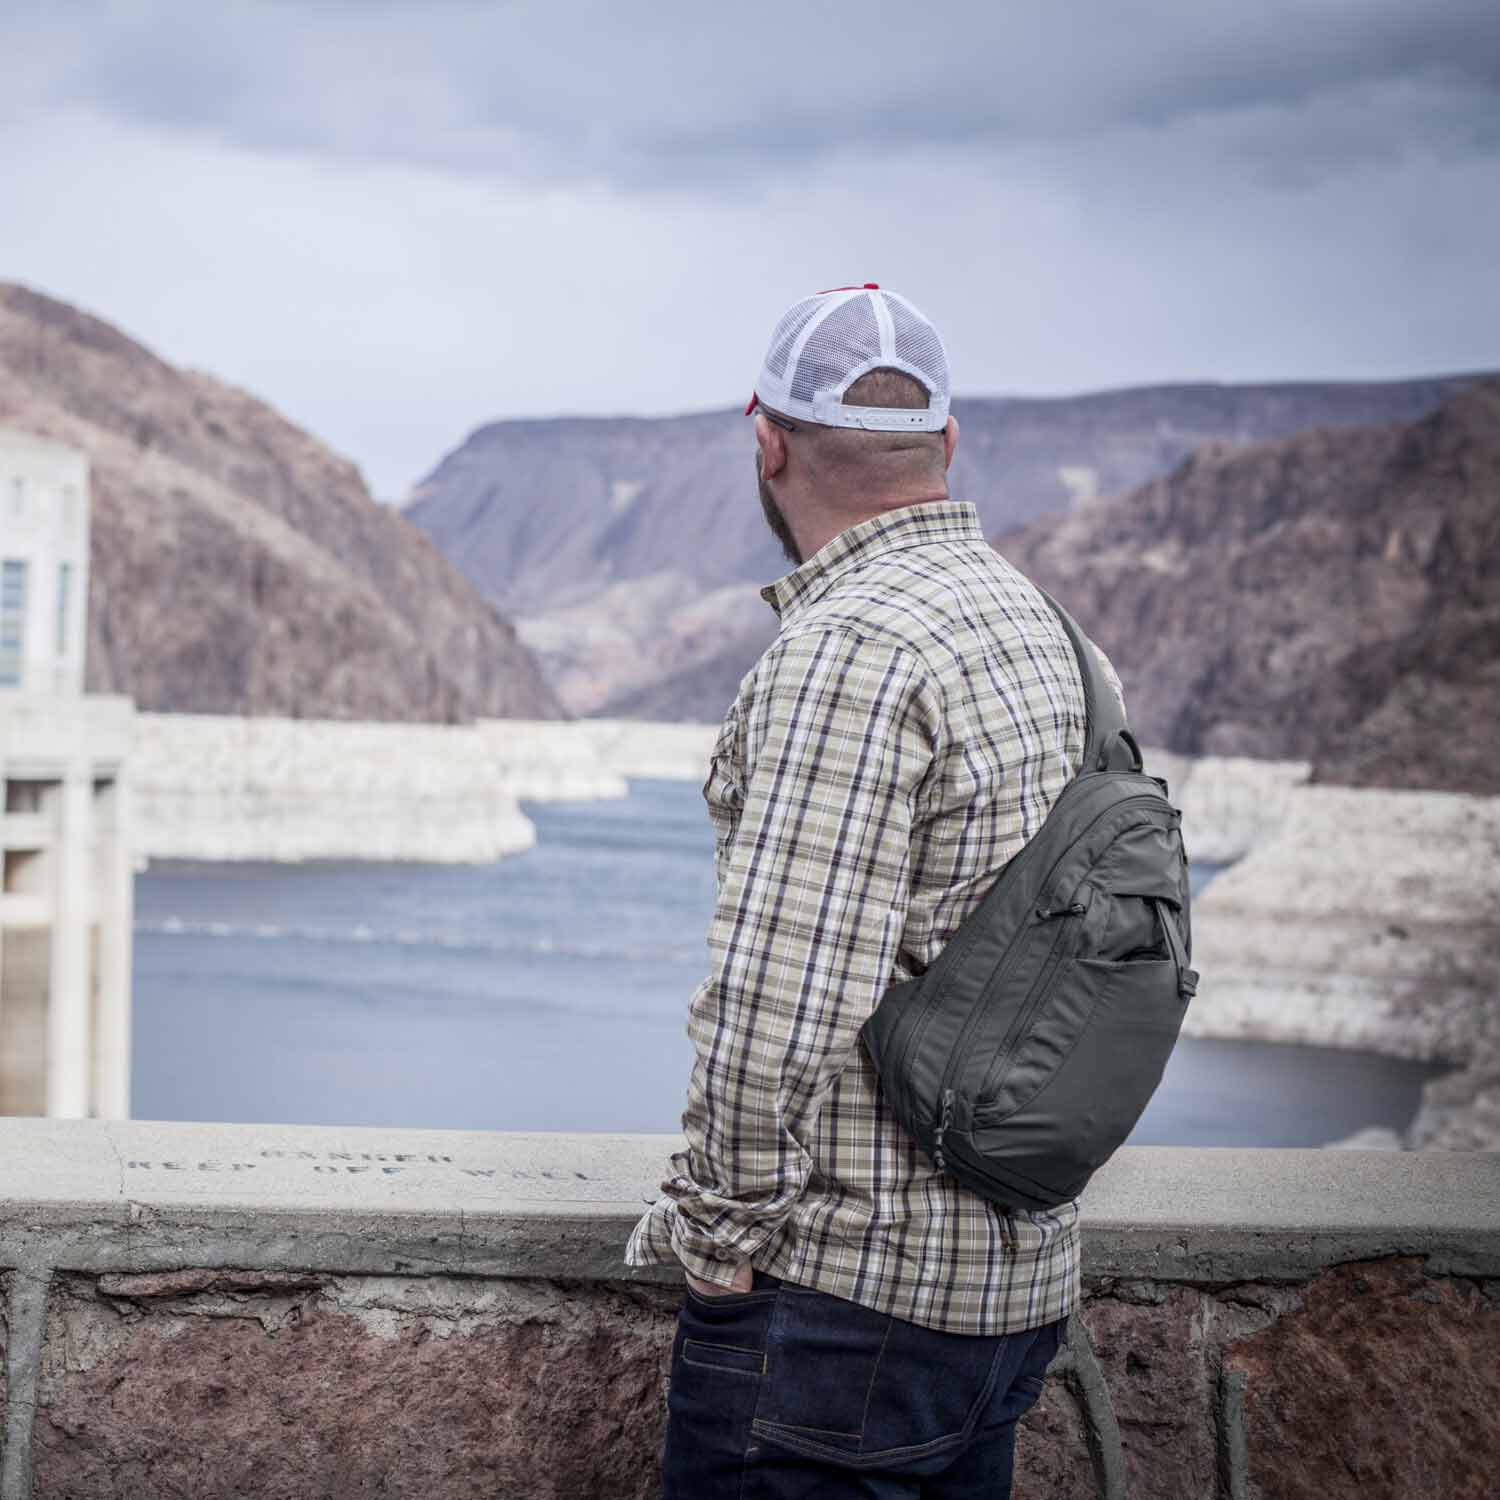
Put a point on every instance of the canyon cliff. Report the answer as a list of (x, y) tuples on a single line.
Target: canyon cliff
[(239, 566), (1333, 597)]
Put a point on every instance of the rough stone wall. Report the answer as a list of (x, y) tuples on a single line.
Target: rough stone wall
[(1371, 1379), (1381, 1381), (283, 1386), (4, 1350)]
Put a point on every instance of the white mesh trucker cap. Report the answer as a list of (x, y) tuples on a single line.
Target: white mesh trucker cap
[(823, 344)]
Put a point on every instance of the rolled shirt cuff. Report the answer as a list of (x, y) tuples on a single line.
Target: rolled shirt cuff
[(714, 1265), (664, 1235)]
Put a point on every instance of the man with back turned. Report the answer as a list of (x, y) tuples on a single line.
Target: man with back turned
[(855, 1321)]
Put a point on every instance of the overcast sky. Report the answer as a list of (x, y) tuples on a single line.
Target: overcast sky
[(398, 220)]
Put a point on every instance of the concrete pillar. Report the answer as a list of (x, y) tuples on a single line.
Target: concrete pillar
[(69, 1008), (2, 895), (116, 885), (25, 960)]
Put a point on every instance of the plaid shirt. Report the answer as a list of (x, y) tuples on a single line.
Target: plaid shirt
[(898, 743)]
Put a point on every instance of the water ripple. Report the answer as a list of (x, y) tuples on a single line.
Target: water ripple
[(407, 938)]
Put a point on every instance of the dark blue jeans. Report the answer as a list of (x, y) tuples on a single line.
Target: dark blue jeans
[(782, 1392)]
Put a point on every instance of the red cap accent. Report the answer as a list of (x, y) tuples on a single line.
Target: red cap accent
[(752, 403)]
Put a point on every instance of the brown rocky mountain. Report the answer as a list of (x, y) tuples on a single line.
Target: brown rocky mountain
[(631, 548), (1333, 596), (238, 565)]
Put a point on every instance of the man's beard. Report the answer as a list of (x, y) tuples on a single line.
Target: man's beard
[(775, 519)]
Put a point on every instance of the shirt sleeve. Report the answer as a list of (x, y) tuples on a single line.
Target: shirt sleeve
[(811, 905)]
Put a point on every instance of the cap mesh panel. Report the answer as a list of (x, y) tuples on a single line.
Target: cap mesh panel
[(786, 333), (848, 336), (918, 344)]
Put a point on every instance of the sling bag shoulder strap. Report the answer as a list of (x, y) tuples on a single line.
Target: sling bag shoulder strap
[(1110, 746)]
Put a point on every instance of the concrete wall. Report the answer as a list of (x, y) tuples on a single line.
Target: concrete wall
[(197, 1311)]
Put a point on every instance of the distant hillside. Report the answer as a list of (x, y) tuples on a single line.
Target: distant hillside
[(1333, 596), (608, 536), (541, 513), (238, 565)]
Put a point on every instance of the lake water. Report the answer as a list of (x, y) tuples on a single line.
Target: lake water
[(545, 992)]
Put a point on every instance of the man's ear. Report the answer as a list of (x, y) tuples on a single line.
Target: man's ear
[(950, 442), (772, 443)]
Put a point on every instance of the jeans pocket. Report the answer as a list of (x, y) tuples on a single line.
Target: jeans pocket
[(824, 1353), (1030, 1380), (864, 1390), (718, 1358), (719, 1305), (732, 1359)]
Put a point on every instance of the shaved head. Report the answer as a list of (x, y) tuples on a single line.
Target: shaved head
[(843, 459), (815, 481)]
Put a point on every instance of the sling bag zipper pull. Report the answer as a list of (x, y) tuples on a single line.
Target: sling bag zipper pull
[(943, 1124), (1047, 913)]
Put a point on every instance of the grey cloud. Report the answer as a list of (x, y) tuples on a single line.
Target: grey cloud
[(389, 219), (673, 94)]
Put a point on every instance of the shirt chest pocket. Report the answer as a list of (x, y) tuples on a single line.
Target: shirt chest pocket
[(724, 791)]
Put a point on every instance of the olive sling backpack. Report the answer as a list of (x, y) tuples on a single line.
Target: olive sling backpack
[(1022, 1058)]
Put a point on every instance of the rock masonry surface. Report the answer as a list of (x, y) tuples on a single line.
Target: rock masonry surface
[(1371, 1379)]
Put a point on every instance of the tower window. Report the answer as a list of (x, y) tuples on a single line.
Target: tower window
[(64, 588), (12, 621)]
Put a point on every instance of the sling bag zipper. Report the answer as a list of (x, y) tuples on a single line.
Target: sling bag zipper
[(1007, 1221), (1037, 995), (977, 1010)]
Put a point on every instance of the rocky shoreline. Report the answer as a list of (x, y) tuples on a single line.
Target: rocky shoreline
[(1364, 919), (220, 787)]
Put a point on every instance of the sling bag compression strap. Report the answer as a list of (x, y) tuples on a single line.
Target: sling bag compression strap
[(1109, 745)]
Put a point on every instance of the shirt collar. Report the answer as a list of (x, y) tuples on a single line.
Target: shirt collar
[(910, 526)]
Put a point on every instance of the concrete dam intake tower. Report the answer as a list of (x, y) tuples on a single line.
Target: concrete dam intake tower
[(65, 900)]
